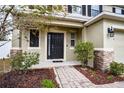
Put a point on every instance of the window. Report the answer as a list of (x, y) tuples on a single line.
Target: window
[(95, 10), (77, 9), (73, 39), (34, 38), (118, 10)]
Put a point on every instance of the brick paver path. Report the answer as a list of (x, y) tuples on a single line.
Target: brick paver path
[(69, 77)]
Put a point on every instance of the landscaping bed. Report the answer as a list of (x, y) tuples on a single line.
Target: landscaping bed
[(30, 79), (98, 77)]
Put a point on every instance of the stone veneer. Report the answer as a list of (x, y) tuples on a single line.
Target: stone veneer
[(15, 51), (103, 58)]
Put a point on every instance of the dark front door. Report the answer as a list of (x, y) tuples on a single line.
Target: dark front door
[(55, 45)]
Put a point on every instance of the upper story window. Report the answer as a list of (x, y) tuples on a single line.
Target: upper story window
[(77, 9), (34, 38), (94, 10), (118, 10)]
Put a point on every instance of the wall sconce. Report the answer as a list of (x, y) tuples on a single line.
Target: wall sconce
[(111, 31)]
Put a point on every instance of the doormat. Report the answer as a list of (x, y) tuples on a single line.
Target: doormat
[(57, 61)]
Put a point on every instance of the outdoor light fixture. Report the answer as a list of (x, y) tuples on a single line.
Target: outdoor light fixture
[(111, 31)]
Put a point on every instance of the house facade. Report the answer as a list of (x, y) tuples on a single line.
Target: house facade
[(101, 24)]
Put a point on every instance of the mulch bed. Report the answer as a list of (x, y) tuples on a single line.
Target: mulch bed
[(31, 79), (98, 77)]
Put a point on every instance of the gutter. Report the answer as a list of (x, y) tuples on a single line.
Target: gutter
[(105, 15)]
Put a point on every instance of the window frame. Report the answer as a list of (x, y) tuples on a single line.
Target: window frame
[(72, 39), (30, 47), (75, 12), (118, 9), (97, 9)]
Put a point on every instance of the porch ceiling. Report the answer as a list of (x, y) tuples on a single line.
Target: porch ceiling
[(66, 24)]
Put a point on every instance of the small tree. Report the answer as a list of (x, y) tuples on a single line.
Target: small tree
[(84, 52), (23, 61)]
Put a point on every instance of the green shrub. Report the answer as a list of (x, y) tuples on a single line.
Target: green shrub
[(110, 77), (84, 52), (117, 68), (47, 84), (22, 61)]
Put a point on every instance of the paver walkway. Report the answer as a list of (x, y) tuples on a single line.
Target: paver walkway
[(69, 77)]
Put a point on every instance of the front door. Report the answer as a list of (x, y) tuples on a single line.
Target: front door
[(55, 45)]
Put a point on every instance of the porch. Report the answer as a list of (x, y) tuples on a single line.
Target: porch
[(49, 64)]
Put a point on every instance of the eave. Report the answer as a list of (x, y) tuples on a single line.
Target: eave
[(105, 15)]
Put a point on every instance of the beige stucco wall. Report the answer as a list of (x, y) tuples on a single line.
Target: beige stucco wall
[(107, 8), (94, 33), (108, 42), (42, 49), (15, 38), (116, 42)]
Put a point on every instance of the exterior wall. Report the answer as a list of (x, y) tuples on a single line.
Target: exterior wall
[(116, 42), (107, 8), (70, 56), (94, 33), (15, 39), (108, 42), (42, 49)]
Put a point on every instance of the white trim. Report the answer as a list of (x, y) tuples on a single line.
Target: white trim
[(104, 49), (39, 40), (72, 48), (103, 15), (17, 48), (75, 38), (72, 17), (55, 31)]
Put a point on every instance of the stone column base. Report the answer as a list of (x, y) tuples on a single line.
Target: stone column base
[(103, 58), (14, 51)]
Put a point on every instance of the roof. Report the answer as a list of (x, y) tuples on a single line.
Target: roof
[(105, 15)]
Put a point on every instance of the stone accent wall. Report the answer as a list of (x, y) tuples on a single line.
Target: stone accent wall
[(15, 51), (103, 58)]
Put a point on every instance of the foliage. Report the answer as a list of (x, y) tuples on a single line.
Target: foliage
[(38, 17), (5, 20), (117, 68), (17, 17), (22, 61), (84, 52), (97, 78), (110, 77), (46, 83)]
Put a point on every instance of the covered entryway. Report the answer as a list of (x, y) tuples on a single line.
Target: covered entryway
[(55, 45), (118, 45)]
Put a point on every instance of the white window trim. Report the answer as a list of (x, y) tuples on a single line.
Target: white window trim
[(72, 47), (39, 47), (76, 13), (118, 8)]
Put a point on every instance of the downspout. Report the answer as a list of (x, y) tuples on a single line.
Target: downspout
[(84, 37), (20, 37)]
